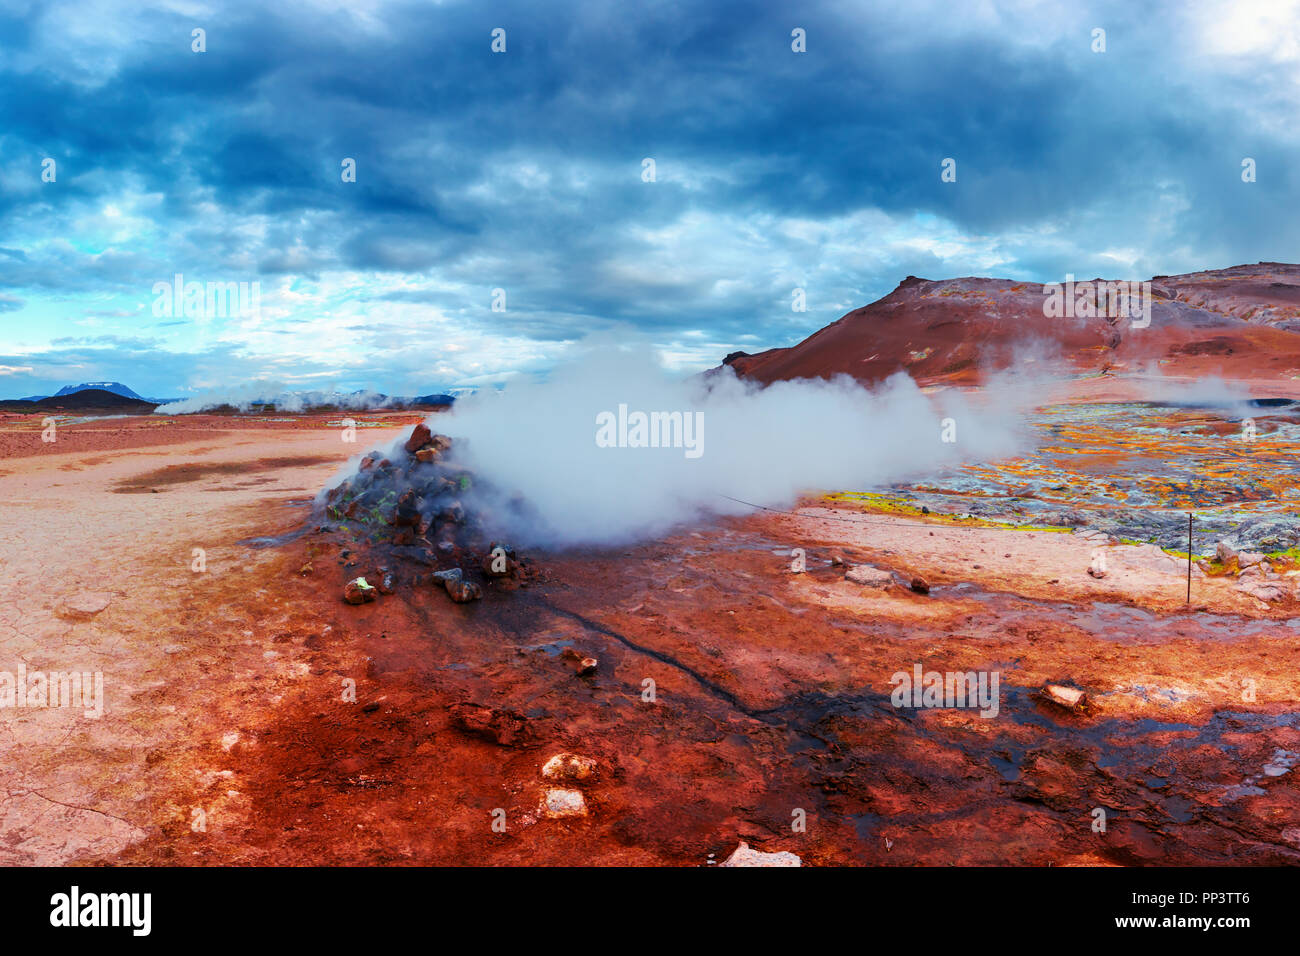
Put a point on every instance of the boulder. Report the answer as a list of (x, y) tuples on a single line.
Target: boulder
[(868, 576), (407, 512), (1063, 695), (582, 666), (1223, 551), (462, 591), (420, 436), (358, 591), (500, 562), (920, 585), (569, 768)]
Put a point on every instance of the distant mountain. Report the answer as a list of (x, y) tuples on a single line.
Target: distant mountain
[(86, 399), (117, 388), (433, 400), (1240, 322)]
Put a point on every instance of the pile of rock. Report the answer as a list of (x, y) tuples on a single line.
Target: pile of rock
[(410, 503), (1256, 576)]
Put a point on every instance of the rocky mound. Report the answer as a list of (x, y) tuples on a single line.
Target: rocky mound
[(1241, 322), (408, 509)]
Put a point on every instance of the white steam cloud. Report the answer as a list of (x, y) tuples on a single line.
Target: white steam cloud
[(539, 441), (270, 393)]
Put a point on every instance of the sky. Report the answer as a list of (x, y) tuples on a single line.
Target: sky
[(503, 208)]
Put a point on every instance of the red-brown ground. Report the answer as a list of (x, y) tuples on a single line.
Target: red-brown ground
[(229, 737)]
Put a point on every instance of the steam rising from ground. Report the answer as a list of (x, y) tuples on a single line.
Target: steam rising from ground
[(1208, 391), (763, 445), (268, 393)]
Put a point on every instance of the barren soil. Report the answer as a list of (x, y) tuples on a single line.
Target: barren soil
[(229, 736)]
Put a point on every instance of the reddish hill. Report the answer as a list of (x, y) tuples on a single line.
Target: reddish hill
[(1242, 322)]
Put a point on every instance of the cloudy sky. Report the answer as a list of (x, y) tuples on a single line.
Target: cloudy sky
[(523, 171)]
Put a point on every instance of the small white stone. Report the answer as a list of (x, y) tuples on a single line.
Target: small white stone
[(746, 856), (564, 803)]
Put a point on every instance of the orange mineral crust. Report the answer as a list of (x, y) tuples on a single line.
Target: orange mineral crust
[(659, 703)]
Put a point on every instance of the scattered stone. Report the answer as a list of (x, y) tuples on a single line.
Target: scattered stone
[(1063, 695), (386, 585), (500, 561), (426, 455), (558, 803), (1223, 551), (407, 513), (868, 576), (582, 666), (504, 728), (744, 855), (1098, 566), (420, 437), (571, 768), (87, 605), (462, 591), (448, 574), (920, 585), (358, 591), (837, 560)]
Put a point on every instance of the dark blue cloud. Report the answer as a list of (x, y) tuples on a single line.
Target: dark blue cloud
[(523, 170)]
